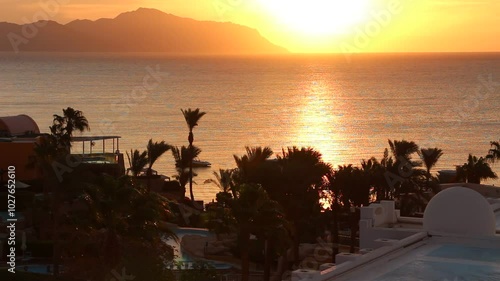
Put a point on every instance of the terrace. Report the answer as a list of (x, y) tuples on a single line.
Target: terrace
[(457, 239), (100, 152)]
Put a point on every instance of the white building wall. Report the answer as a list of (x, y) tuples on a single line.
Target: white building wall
[(378, 223)]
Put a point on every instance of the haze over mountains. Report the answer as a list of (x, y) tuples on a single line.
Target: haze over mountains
[(143, 30)]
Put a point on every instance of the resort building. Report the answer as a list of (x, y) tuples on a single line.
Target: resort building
[(20, 125), (458, 238), (20, 134)]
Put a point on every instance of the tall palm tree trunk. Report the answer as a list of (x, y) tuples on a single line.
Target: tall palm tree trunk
[(148, 182), (245, 255), (335, 231), (56, 253), (282, 267), (296, 243), (191, 139), (354, 229), (268, 258)]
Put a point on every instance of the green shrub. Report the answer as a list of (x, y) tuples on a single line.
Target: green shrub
[(201, 270)]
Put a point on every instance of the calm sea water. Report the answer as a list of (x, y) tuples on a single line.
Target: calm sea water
[(347, 109)]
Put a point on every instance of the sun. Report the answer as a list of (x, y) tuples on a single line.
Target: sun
[(317, 17)]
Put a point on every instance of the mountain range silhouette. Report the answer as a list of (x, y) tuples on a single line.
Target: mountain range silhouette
[(143, 30)]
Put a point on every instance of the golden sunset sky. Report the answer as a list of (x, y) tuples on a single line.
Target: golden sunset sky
[(312, 26)]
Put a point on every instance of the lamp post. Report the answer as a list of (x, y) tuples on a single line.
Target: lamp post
[(352, 212)]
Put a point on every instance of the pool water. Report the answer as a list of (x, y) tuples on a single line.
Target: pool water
[(186, 258), (421, 270), (467, 253), (36, 268), (450, 262)]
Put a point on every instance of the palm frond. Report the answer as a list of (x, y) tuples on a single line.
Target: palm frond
[(192, 117)]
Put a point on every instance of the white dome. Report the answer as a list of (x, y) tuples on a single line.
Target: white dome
[(459, 210)]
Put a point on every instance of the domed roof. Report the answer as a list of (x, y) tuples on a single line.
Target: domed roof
[(18, 125), (459, 210)]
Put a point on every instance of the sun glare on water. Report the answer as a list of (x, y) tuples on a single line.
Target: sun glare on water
[(318, 17)]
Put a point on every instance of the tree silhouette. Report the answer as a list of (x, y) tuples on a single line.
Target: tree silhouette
[(475, 170), (192, 117), (494, 152)]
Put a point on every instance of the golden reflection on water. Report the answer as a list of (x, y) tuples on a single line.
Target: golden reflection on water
[(318, 123)]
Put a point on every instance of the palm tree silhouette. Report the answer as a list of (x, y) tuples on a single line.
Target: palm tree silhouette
[(494, 152), (403, 149), (375, 171), (154, 151), (335, 186), (63, 126), (119, 214), (302, 176), (224, 180), (251, 166), (137, 161), (351, 187), (183, 157), (251, 212), (475, 170), (54, 149), (192, 117), (430, 157)]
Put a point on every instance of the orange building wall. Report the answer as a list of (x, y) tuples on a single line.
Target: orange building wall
[(18, 155)]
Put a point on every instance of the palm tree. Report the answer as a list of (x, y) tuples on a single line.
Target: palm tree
[(64, 126), (252, 167), (351, 187), (251, 212), (494, 152), (137, 161), (119, 215), (224, 180), (183, 157), (475, 170), (54, 149), (154, 150), (375, 170), (192, 117), (430, 157), (404, 177), (403, 149), (302, 177), (254, 156), (334, 186)]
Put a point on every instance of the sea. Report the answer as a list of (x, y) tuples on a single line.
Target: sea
[(345, 106)]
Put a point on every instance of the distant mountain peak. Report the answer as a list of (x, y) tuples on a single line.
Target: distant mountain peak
[(144, 12)]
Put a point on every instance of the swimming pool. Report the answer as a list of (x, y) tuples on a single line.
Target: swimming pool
[(467, 253), (183, 257), (37, 268), (423, 270), (433, 258), (452, 262)]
